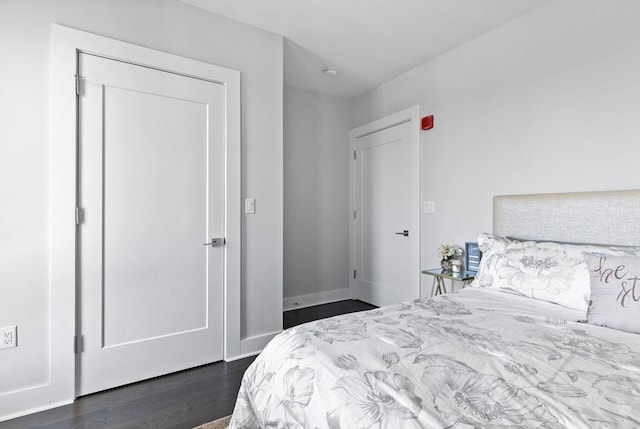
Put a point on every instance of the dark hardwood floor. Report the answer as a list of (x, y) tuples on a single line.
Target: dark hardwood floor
[(181, 400), (304, 315)]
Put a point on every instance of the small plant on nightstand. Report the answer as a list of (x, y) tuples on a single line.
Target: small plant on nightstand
[(447, 254)]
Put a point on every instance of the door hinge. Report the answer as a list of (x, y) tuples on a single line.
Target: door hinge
[(78, 79), (354, 155), (78, 344), (79, 215), (354, 274)]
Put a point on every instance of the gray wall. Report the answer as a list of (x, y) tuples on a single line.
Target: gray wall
[(316, 168), (548, 102), (545, 103), (169, 26)]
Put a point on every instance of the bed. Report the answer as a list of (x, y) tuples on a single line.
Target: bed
[(546, 337)]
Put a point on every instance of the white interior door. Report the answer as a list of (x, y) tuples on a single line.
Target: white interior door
[(387, 232), (151, 191)]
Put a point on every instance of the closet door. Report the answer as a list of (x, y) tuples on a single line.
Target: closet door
[(151, 193)]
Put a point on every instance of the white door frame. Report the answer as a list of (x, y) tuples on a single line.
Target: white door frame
[(412, 115), (65, 45)]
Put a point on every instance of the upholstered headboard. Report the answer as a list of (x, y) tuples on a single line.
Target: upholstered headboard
[(611, 217)]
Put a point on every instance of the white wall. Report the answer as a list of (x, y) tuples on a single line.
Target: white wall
[(548, 102), (169, 26), (316, 163)]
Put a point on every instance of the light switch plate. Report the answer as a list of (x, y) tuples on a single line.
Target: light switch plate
[(250, 206), (429, 207)]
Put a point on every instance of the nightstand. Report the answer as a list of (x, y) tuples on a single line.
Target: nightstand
[(439, 286)]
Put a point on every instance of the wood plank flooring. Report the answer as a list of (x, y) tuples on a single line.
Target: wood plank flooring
[(181, 400), (304, 315)]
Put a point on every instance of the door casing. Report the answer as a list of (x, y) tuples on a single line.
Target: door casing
[(411, 115), (66, 43)]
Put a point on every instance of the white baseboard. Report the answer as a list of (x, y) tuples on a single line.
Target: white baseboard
[(238, 357), (253, 345), (36, 399), (28, 401), (309, 300)]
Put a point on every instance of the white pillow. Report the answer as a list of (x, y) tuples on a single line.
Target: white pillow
[(615, 292), (547, 271)]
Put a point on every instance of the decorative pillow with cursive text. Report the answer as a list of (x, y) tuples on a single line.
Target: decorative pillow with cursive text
[(615, 292)]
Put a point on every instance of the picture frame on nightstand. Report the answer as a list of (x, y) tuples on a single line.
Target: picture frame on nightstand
[(472, 256)]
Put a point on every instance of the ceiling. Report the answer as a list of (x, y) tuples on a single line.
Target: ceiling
[(369, 41)]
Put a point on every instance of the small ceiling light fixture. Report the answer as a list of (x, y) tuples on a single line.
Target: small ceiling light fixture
[(330, 72)]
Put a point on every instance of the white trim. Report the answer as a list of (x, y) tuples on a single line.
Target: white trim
[(412, 115), (65, 43), (246, 355), (311, 299), (23, 413), (254, 345)]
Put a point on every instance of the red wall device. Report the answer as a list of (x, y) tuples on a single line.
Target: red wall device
[(427, 122)]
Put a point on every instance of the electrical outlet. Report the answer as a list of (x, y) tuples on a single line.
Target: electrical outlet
[(8, 337)]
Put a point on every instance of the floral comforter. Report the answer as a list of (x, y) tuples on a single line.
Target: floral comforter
[(476, 359)]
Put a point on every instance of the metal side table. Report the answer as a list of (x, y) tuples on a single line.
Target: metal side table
[(439, 286)]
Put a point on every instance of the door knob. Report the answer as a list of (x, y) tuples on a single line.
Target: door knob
[(215, 242), (404, 233)]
